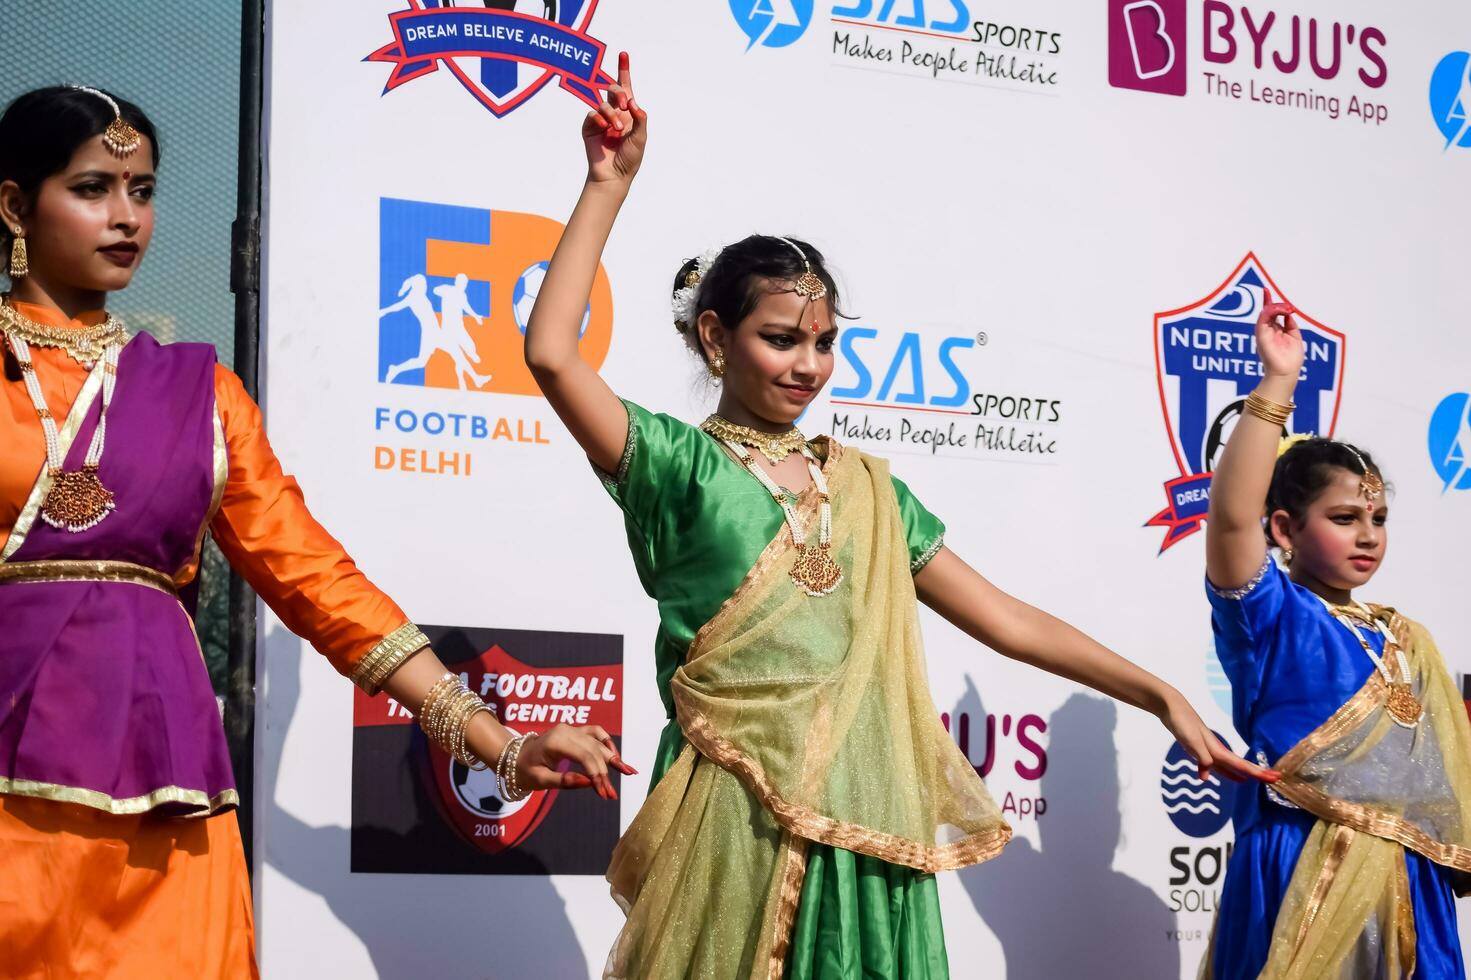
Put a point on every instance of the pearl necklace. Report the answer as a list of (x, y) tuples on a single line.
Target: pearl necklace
[(815, 571), (1404, 708), (77, 499)]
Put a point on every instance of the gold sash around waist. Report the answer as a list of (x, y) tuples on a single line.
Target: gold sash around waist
[(73, 570)]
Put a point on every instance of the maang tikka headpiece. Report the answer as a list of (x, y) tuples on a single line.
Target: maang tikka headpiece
[(809, 284), (1370, 484), (120, 138)]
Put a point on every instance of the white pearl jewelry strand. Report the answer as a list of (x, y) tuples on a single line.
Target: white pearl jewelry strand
[(54, 461), (784, 499), (1379, 664)]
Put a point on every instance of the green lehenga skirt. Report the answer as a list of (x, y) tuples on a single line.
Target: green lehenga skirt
[(862, 918), (859, 918)]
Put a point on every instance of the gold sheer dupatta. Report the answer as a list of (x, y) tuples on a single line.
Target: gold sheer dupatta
[(808, 719), (1376, 788)]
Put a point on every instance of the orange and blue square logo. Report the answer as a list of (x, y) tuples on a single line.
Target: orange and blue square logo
[(456, 286)]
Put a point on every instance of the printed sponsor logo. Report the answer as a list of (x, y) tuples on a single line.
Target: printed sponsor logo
[(911, 391), (1450, 98), (1449, 442), (1199, 809), (500, 55), (1146, 45), (948, 40), (988, 739), (772, 23), (458, 821), (1206, 364), (455, 290), (1250, 54)]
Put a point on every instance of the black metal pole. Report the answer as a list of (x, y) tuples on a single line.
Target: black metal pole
[(245, 284)]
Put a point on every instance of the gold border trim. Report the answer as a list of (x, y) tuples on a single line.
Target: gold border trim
[(794, 874), (1242, 591), (615, 480), (65, 437), (206, 805), (928, 555), (1337, 851), (387, 655), (1356, 816), (806, 822), (74, 570), (220, 459)]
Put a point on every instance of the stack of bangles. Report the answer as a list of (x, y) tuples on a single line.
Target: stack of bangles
[(445, 716), (1269, 411)]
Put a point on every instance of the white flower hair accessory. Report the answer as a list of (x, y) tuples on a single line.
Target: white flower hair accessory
[(683, 303)]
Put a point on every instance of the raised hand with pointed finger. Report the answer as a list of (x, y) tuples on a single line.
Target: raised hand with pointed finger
[(616, 132)]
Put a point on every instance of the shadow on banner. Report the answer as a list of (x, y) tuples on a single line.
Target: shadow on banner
[(452, 926), (1094, 920)]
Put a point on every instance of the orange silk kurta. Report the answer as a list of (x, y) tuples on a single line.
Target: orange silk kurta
[(86, 893), (263, 525)]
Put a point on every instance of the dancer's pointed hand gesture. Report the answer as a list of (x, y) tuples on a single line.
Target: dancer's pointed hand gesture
[(616, 132), (1278, 341), (588, 747)]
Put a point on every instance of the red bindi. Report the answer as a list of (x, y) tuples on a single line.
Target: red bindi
[(815, 327), (127, 175)]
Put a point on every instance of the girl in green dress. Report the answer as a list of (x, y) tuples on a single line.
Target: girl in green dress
[(805, 791)]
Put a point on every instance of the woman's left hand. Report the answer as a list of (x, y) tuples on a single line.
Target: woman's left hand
[(1209, 752)]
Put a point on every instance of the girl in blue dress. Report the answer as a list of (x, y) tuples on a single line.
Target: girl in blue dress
[(1344, 867)]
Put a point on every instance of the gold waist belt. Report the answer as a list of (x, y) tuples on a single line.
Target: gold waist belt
[(71, 570)]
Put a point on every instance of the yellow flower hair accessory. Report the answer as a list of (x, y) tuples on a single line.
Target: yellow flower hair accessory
[(1287, 443)]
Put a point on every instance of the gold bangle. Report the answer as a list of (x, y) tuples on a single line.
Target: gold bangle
[(434, 712), (505, 770), (445, 717), (1267, 410)]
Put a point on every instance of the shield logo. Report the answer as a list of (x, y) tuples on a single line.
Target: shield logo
[(502, 56), (416, 810), (529, 698), (1206, 364)]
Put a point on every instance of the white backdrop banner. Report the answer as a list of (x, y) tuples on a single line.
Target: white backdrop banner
[(1053, 221)]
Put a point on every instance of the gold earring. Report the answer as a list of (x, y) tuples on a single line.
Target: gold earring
[(20, 265), (717, 366), (1287, 556)]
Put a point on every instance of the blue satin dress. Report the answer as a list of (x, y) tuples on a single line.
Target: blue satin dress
[(1292, 665)]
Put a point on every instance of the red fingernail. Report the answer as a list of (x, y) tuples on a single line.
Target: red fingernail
[(622, 59)]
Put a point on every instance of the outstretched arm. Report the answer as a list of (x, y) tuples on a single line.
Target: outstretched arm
[(1022, 632), (1234, 543), (265, 530), (614, 137)]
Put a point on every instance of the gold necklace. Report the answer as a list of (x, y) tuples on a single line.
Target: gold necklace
[(85, 345), (1404, 708), (814, 570), (77, 500), (775, 447)]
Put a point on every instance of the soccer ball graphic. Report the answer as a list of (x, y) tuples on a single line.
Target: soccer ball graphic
[(479, 793), (523, 298)]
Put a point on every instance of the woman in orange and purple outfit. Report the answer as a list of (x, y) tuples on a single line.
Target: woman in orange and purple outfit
[(122, 856)]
